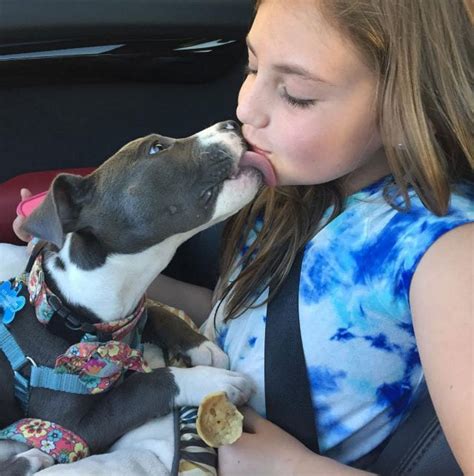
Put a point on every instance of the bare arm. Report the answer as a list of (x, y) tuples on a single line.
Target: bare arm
[(192, 299), (441, 297), (264, 448)]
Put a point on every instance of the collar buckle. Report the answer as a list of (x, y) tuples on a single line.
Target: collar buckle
[(70, 321)]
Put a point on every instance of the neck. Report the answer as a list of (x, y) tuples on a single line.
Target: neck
[(373, 169), (113, 290)]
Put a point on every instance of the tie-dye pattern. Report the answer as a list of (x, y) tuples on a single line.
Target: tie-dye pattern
[(358, 339)]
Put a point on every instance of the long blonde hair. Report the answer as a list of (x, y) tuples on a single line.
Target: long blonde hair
[(421, 52)]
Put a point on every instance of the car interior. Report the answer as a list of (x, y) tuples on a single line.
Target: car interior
[(79, 79)]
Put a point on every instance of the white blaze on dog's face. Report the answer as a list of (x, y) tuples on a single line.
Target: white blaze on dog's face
[(243, 184)]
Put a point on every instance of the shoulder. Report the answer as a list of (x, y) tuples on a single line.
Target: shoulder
[(432, 237), (412, 234), (374, 242), (441, 302), (382, 236), (446, 269), (447, 263), (374, 215)]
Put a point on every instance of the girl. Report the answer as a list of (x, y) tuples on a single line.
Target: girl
[(363, 108)]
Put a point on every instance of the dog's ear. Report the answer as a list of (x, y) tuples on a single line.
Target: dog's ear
[(59, 212)]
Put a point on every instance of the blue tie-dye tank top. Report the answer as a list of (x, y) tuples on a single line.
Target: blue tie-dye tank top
[(358, 339)]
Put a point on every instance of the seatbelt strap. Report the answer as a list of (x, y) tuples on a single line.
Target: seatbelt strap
[(287, 391)]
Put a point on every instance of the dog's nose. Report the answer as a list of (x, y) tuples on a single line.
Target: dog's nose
[(229, 126)]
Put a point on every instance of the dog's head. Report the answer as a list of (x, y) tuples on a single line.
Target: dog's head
[(152, 188)]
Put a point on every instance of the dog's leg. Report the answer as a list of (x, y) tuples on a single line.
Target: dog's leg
[(10, 448), (145, 451), (157, 436), (168, 331), (126, 462), (142, 397), (26, 463), (197, 382)]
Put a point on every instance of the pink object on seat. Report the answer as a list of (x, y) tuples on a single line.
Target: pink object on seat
[(10, 196), (26, 206)]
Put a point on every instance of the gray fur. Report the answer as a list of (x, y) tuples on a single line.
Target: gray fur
[(135, 201)]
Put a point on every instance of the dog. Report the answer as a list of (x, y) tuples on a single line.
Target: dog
[(109, 235)]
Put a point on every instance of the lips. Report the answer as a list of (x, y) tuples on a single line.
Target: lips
[(260, 162)]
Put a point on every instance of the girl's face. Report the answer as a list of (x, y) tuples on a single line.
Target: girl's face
[(308, 102)]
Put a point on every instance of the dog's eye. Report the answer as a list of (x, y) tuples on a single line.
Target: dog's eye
[(156, 147), (207, 195)]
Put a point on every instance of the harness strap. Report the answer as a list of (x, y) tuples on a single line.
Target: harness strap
[(43, 377), (46, 377), (50, 438), (11, 349)]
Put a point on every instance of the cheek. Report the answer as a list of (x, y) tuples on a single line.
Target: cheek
[(354, 125), (296, 154), (322, 149), (301, 141), (337, 132)]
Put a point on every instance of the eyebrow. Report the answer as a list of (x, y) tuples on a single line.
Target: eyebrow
[(288, 68)]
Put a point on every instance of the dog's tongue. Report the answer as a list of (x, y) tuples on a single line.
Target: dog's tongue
[(262, 164)]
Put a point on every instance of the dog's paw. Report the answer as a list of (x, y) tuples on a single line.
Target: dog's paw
[(26, 464), (209, 354), (197, 382)]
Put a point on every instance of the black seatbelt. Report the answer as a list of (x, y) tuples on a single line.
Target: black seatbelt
[(287, 391)]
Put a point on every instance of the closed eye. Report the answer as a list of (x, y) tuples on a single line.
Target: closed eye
[(296, 102)]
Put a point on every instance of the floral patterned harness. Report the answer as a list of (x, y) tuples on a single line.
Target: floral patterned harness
[(56, 441), (88, 367)]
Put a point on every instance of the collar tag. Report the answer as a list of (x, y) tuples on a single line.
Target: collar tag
[(10, 302)]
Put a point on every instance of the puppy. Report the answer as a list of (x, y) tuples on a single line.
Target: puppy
[(109, 235)]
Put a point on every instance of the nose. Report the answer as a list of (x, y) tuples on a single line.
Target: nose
[(252, 107), (229, 126)]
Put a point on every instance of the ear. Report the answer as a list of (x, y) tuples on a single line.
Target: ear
[(59, 212)]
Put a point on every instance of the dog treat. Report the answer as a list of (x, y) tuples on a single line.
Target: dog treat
[(218, 422)]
